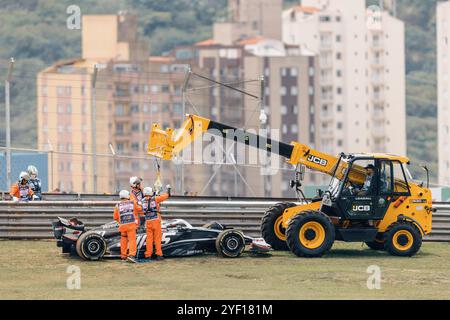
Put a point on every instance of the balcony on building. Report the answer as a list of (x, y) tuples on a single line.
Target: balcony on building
[(377, 96), (377, 42), (122, 112), (378, 115), (326, 63), (377, 80), (379, 130), (326, 115), (377, 62), (122, 92), (326, 94), (326, 79)]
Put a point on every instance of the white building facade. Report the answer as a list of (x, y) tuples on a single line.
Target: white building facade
[(443, 70), (362, 73)]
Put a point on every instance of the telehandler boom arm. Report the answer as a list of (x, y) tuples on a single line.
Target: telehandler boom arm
[(166, 143)]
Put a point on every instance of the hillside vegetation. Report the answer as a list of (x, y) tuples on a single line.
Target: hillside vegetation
[(35, 33)]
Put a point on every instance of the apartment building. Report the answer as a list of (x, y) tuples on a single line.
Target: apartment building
[(443, 71), (291, 101), (290, 98), (362, 73), (65, 126), (133, 90)]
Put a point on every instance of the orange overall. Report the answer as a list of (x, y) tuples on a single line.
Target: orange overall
[(126, 214), (150, 209), (21, 191)]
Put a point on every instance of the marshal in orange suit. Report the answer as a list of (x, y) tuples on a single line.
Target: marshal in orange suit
[(126, 214), (151, 212)]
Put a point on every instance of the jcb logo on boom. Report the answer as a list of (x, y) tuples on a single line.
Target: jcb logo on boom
[(317, 160), (361, 208)]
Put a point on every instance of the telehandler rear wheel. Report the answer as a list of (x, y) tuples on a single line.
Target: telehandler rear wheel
[(403, 239), (310, 234), (272, 228)]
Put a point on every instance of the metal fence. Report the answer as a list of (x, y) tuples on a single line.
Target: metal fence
[(33, 220)]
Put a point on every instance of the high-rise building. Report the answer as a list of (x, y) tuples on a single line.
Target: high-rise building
[(443, 71), (291, 101), (362, 73), (290, 96), (250, 18), (133, 90)]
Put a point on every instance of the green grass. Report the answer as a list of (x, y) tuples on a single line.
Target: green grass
[(37, 270)]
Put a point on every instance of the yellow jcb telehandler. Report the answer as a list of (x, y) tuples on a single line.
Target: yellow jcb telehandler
[(371, 198)]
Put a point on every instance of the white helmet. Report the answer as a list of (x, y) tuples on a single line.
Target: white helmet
[(134, 181), (124, 194), (24, 176), (148, 191), (32, 170)]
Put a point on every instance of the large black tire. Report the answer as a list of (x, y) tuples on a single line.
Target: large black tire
[(230, 243), (403, 239), (310, 234), (378, 243), (271, 228), (91, 246)]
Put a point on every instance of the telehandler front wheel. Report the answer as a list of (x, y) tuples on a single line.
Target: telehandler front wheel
[(403, 239), (272, 229), (310, 234)]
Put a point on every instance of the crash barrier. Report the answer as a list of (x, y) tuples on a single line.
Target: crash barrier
[(33, 220), (4, 196)]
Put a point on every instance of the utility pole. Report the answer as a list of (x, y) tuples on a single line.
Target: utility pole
[(94, 127), (50, 149), (263, 121), (8, 123), (187, 77), (114, 168)]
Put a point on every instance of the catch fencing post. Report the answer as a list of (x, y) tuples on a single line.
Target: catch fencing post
[(263, 121), (8, 123), (113, 152), (94, 129), (187, 77)]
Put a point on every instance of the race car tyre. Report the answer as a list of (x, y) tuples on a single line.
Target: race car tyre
[(230, 243), (91, 246), (403, 239), (272, 228), (310, 234), (377, 243)]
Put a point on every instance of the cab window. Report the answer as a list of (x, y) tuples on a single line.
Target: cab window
[(400, 182), (361, 179), (385, 177), (392, 178)]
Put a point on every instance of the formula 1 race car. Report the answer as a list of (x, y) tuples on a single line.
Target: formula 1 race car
[(179, 239)]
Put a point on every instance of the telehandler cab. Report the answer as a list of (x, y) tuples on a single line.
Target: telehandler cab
[(371, 198)]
